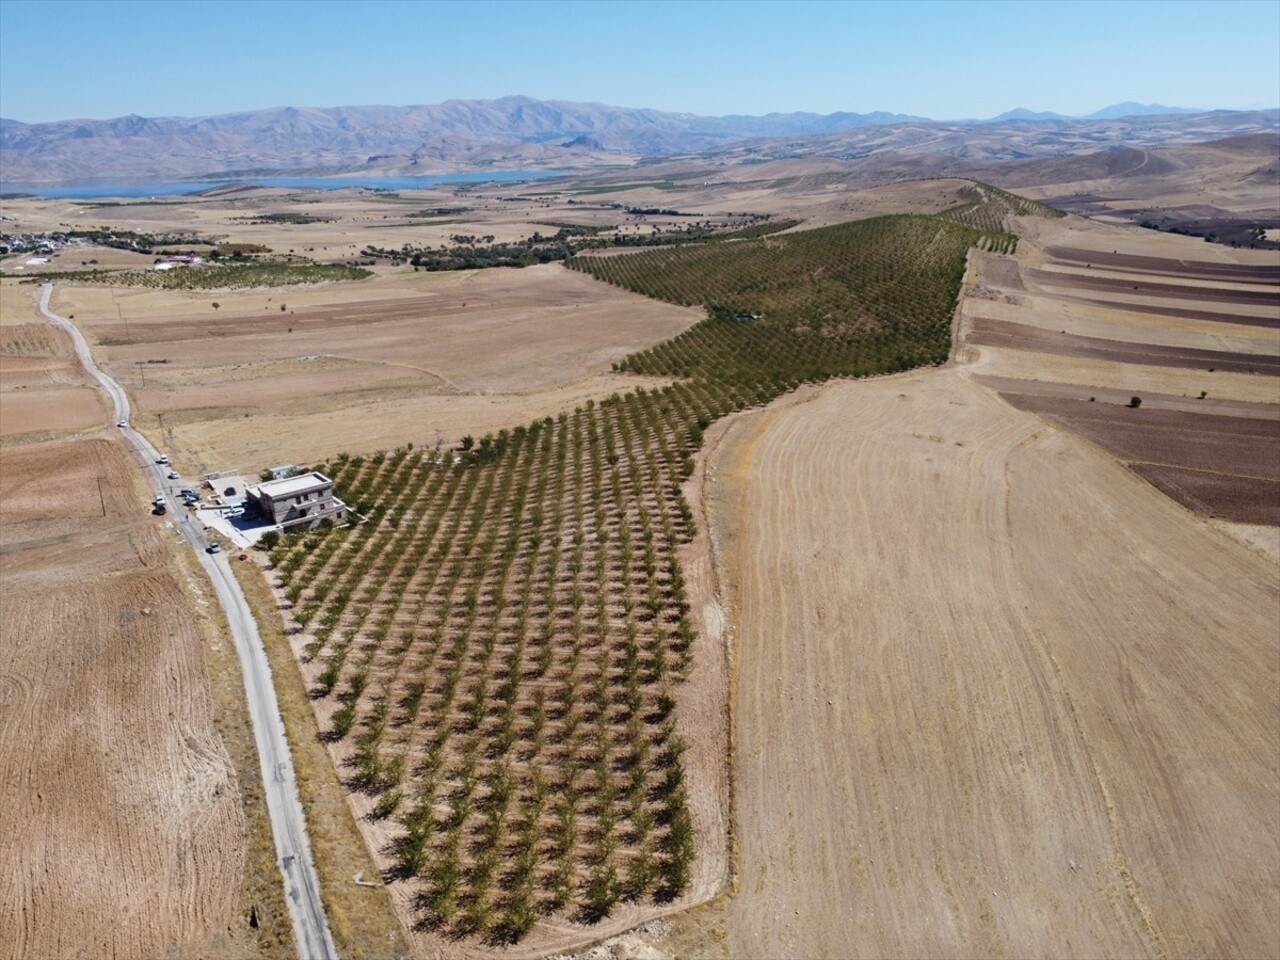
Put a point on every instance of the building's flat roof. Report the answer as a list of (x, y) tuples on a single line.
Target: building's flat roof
[(291, 486)]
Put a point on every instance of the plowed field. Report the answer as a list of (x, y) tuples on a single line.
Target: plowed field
[(995, 694), (122, 833)]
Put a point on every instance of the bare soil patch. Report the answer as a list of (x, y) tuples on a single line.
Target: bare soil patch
[(1246, 500), (1140, 286), (1003, 333), (1135, 263), (1224, 466), (1004, 634)]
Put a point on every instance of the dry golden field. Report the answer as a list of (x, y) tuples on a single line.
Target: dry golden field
[(995, 695), (364, 365), (133, 822), (123, 833), (42, 388)]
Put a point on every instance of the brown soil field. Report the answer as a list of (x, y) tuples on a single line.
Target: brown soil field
[(1003, 333), (1050, 691), (1136, 378), (1153, 401), (1200, 269), (420, 354), (1240, 500), (1026, 331), (1222, 466), (1232, 296), (1173, 311), (123, 833)]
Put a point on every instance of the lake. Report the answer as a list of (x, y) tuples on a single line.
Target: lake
[(132, 189)]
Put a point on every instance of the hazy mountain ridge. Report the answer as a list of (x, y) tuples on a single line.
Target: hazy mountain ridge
[(1128, 108), (450, 135), (923, 149), (512, 132)]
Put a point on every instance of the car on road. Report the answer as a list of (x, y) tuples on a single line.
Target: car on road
[(162, 459), (122, 423), (174, 475), (214, 548)]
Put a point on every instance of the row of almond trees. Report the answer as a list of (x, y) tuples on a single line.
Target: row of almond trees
[(499, 647)]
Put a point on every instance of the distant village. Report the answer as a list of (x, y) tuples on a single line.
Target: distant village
[(41, 247)]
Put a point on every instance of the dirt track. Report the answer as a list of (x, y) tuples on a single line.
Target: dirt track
[(995, 694), (122, 833)]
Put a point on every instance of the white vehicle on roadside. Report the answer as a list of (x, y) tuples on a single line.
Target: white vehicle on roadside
[(162, 460)]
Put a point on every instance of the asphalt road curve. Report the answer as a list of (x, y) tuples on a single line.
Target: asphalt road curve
[(293, 847)]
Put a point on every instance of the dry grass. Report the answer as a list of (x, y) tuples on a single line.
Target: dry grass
[(1052, 691), (43, 390), (360, 917)]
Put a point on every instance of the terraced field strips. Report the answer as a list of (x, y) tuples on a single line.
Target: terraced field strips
[(505, 637)]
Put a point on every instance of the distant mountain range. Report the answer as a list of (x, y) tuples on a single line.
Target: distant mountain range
[(512, 132), (1113, 112)]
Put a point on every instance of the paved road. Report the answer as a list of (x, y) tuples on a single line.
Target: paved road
[(302, 888)]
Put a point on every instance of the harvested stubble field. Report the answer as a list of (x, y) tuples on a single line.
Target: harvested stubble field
[(123, 832), (498, 654), (43, 391), (1050, 691), (365, 365)]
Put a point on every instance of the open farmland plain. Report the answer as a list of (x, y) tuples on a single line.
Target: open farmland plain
[(500, 654), (995, 695), (133, 823), (271, 375), (520, 660), (125, 832)]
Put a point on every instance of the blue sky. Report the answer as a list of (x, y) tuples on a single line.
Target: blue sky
[(70, 59)]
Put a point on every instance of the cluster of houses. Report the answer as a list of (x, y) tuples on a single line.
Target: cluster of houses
[(177, 260)]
